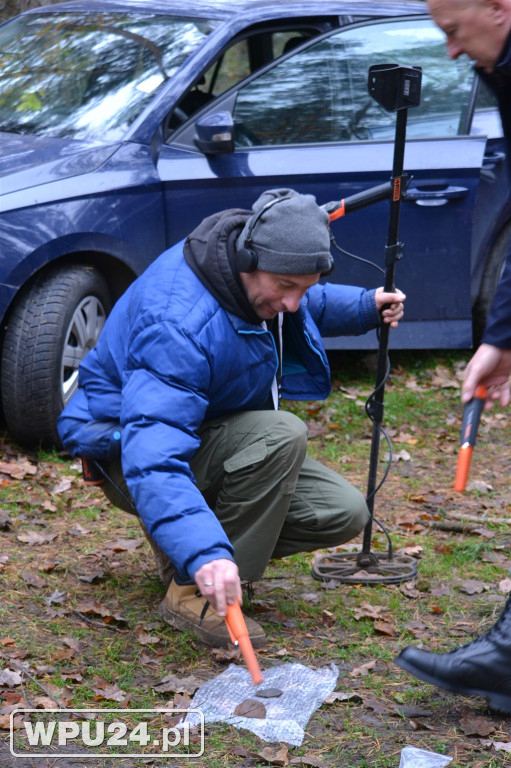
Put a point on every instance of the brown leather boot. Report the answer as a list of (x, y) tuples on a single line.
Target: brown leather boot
[(185, 608)]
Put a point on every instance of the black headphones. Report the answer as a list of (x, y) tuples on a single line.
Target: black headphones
[(246, 257)]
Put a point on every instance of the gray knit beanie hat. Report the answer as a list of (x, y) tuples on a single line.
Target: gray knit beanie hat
[(288, 233)]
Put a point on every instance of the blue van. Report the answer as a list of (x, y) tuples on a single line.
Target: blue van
[(103, 163)]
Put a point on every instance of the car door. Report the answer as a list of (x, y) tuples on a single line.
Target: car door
[(307, 122)]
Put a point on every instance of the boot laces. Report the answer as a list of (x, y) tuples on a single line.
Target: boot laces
[(248, 586), (204, 608)]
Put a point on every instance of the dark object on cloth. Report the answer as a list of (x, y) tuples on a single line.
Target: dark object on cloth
[(251, 708), (269, 693)]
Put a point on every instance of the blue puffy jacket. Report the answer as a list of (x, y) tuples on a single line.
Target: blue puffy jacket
[(169, 358)]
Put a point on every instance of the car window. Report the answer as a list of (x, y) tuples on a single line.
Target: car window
[(88, 75), (320, 94), (486, 120), (235, 64)]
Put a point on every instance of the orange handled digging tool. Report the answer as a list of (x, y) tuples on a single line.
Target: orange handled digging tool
[(238, 633), (469, 425)]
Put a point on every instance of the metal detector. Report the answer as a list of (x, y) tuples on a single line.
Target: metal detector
[(395, 88)]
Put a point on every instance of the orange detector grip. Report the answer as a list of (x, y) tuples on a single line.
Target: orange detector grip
[(238, 633), (469, 426), (338, 208), (339, 212)]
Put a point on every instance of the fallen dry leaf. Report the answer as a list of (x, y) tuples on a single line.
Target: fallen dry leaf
[(33, 579), (78, 530), (385, 628), (173, 684), (479, 485), (5, 722), (409, 590), (10, 677), (92, 577), (33, 538), (94, 606), (472, 587), (66, 696), (421, 725), (64, 484), (221, 654), (144, 638), (182, 701), (310, 597), (368, 611), (274, 755), (343, 696), (443, 379), (310, 761), (17, 470), (55, 597), (499, 746), (124, 545), (363, 670), (65, 654), (47, 565), (74, 677), (44, 702), (475, 725), (106, 690), (72, 642)]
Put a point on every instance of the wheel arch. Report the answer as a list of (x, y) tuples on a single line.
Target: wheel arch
[(117, 264)]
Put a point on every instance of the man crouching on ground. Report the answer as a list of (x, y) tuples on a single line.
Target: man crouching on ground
[(178, 404)]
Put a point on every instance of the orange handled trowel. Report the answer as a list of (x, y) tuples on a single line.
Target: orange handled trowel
[(238, 633), (469, 425)]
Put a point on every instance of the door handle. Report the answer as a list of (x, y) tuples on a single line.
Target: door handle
[(491, 159), (429, 196)]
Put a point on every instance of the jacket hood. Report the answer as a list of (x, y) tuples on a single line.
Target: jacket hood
[(210, 252)]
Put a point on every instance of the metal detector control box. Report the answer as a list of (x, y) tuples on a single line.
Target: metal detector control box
[(395, 87)]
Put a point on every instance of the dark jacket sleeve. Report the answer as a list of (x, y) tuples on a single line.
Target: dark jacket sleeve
[(498, 327)]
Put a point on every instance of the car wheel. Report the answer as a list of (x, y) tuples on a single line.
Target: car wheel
[(491, 276), (50, 330)]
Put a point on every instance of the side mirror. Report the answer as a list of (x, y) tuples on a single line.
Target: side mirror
[(215, 133)]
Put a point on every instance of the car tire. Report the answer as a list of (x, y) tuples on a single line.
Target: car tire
[(491, 276), (51, 328)]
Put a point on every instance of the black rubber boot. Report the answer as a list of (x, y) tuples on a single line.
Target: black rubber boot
[(481, 668)]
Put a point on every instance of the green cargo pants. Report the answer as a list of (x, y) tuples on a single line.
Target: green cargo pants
[(271, 498)]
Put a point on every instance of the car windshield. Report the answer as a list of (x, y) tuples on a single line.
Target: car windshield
[(83, 75)]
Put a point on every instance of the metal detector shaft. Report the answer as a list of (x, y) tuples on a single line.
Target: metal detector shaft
[(395, 88), (392, 255)]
